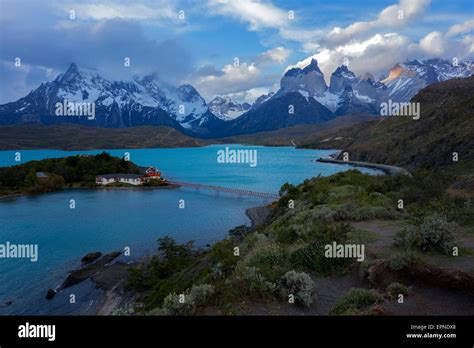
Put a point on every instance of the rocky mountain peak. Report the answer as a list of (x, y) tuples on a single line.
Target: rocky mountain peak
[(309, 80), (225, 108)]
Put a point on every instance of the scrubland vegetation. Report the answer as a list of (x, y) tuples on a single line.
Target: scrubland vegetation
[(281, 261)]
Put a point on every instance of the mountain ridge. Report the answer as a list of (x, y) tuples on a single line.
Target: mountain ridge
[(303, 98)]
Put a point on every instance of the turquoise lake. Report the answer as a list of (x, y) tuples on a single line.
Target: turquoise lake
[(109, 220)]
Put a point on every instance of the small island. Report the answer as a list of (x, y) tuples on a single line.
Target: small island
[(80, 171)]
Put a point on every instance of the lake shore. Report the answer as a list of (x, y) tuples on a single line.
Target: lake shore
[(163, 187), (389, 170), (115, 296)]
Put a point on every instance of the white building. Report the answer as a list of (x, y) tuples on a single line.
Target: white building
[(132, 179)]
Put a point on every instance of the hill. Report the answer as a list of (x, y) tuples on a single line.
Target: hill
[(444, 127), (300, 134), (79, 137)]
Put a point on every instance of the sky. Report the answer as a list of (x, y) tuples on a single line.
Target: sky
[(239, 48)]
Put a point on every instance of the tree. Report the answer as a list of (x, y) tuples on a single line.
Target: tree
[(31, 179)]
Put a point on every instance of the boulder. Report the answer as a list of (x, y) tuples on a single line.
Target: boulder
[(91, 257), (50, 294)]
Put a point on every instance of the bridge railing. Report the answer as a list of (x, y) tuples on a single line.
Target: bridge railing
[(226, 189)]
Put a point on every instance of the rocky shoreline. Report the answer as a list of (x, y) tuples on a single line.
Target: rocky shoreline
[(258, 215), (115, 296), (111, 276)]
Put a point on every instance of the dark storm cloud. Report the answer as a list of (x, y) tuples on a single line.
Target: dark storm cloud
[(101, 45)]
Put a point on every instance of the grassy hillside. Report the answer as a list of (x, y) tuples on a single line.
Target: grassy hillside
[(77, 137), (286, 255), (445, 126), (418, 237), (300, 134)]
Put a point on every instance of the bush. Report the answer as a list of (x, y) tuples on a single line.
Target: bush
[(193, 299), (312, 256), (396, 289), (366, 271), (269, 255), (249, 281), (300, 285), (403, 260), (360, 213), (356, 300), (222, 253), (152, 274), (124, 311), (287, 235), (433, 233)]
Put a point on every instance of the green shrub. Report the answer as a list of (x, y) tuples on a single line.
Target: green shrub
[(312, 257), (250, 282), (353, 212), (222, 252), (300, 285), (433, 233), (194, 298), (403, 260), (239, 233), (265, 255), (396, 289), (124, 311), (366, 271), (287, 235), (355, 300)]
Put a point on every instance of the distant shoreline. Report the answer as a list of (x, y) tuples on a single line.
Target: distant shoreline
[(105, 188), (389, 170)]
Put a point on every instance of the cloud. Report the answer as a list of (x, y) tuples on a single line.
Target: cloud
[(374, 54), (258, 14), (102, 45), (207, 70), (462, 28), (17, 81), (278, 55), (433, 43), (233, 79), (393, 16), (368, 48), (250, 95), (380, 52), (439, 45), (242, 80), (113, 10)]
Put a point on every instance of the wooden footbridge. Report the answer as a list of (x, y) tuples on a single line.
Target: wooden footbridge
[(226, 189)]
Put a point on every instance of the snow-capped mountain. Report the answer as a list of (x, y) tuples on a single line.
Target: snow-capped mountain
[(346, 92), (227, 109), (262, 99), (405, 80), (295, 103), (140, 101), (304, 91), (303, 98)]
